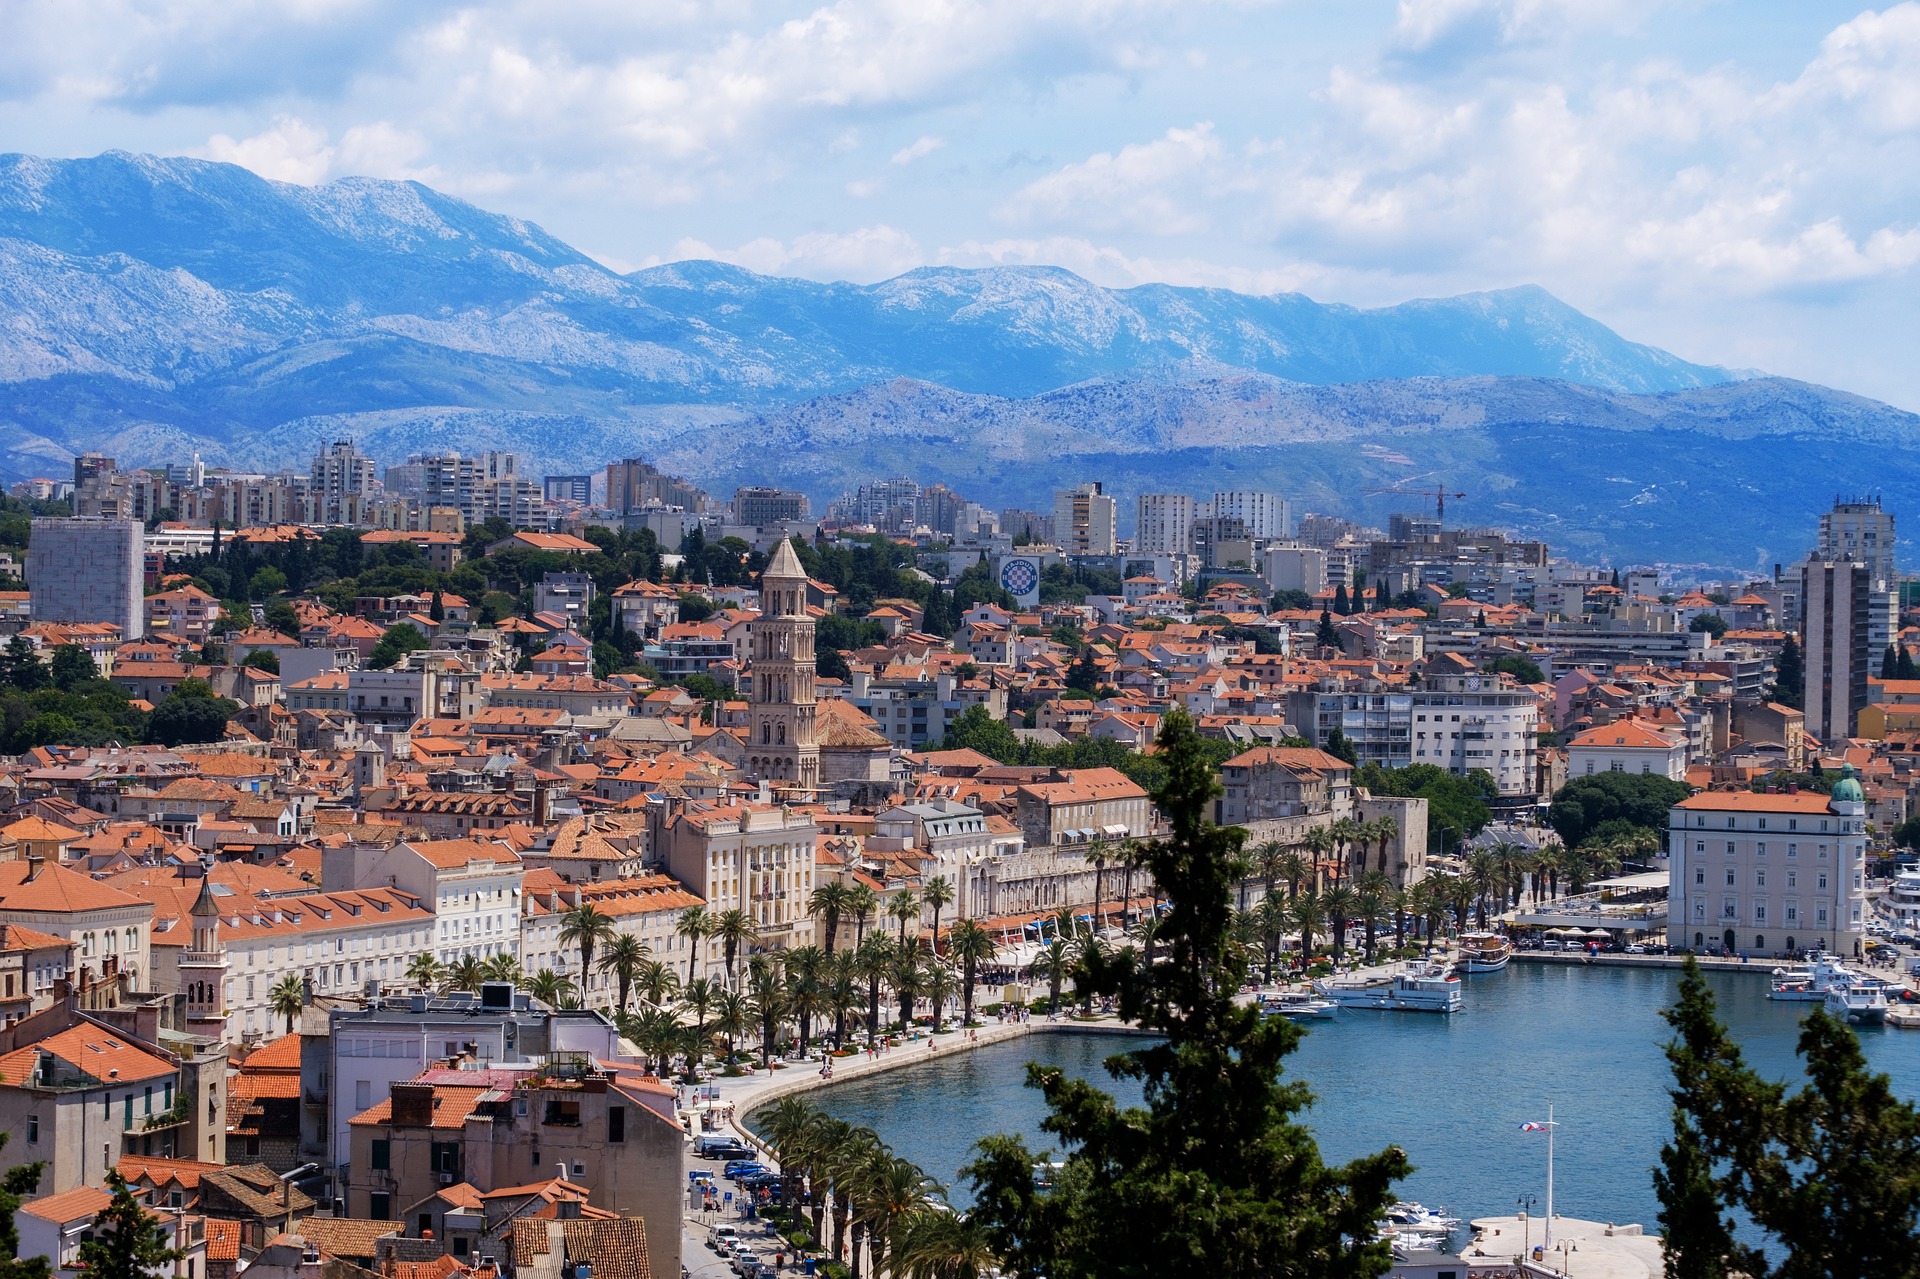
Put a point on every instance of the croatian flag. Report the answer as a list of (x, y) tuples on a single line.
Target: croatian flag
[(1535, 1127)]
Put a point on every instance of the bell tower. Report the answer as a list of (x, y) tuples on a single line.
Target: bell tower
[(203, 966), (783, 748)]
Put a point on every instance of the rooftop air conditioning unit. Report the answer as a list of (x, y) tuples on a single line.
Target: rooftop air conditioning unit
[(446, 1179)]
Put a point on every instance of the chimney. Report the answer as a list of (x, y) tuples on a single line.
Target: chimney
[(35, 864)]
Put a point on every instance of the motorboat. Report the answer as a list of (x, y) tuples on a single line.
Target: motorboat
[(1415, 988), (1415, 1216), (1484, 952), (1810, 984), (1297, 1005), (1864, 1003)]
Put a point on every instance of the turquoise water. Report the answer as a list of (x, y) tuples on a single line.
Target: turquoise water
[(1453, 1091)]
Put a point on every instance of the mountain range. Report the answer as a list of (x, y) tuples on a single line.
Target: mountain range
[(154, 307)]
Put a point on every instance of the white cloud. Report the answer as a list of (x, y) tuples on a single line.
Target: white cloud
[(864, 255), (923, 146), (290, 151), (1148, 186)]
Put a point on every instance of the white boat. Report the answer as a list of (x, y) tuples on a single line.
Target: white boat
[(1864, 1003), (1484, 952), (1297, 1005), (1810, 985), (1416, 988), (1416, 1217)]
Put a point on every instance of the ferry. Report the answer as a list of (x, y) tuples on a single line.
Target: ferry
[(1484, 952), (1417, 988), (1864, 1003), (1296, 1005), (1810, 985)]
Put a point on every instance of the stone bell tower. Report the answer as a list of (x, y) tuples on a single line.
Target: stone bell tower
[(783, 748)]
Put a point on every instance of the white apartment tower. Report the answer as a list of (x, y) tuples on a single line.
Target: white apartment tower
[(1264, 514), (1165, 525), (1084, 519)]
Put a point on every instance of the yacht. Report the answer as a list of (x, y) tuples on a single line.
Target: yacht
[(1810, 984), (1484, 952), (1415, 1217), (1864, 1003), (1296, 1005), (1416, 988)]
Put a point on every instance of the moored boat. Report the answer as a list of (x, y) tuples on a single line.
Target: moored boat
[(1864, 1003), (1420, 988), (1810, 984), (1296, 1005), (1484, 952)]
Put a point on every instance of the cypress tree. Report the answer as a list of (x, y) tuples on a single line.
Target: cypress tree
[(1341, 603), (1904, 667), (1789, 675), (1889, 664), (1326, 637), (1215, 1176)]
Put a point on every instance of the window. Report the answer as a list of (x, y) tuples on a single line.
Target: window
[(1729, 877), (1699, 874), (616, 1124), (1729, 848), (380, 1207), (1760, 879), (363, 1096), (381, 1158), (33, 1130), (1823, 882)]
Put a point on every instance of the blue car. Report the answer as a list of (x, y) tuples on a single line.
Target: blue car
[(739, 1168)]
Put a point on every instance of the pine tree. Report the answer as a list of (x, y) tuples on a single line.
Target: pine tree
[(1327, 637), (1215, 1176), (126, 1241), (1889, 664), (1903, 666), (1341, 604), (1789, 675)]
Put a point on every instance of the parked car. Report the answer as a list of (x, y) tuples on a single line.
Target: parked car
[(738, 1168), (731, 1151), (1636, 949), (719, 1237)]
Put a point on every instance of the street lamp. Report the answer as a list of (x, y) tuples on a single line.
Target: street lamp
[(1526, 1203), (1564, 1247)]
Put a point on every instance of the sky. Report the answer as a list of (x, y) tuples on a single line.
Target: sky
[(1736, 182)]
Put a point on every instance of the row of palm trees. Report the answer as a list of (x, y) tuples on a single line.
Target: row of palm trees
[(879, 1212)]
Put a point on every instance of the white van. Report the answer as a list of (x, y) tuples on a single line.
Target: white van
[(721, 1238)]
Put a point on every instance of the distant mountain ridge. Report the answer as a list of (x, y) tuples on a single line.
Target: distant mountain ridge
[(154, 307)]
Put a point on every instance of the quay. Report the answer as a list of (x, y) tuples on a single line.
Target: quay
[(1588, 1249)]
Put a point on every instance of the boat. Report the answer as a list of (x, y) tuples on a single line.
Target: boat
[(1484, 952), (1810, 984), (1416, 988), (1296, 1005), (1416, 1217), (1864, 1003)]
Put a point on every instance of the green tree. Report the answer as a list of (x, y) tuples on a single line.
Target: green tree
[(976, 729), (1523, 669), (128, 1241), (1340, 746), (191, 713), (624, 957), (263, 659), (1829, 1175), (1215, 1176), (588, 927), (288, 997), (20, 1181), (1326, 636), (71, 665), (1710, 623), (1613, 804), (1790, 675), (400, 639)]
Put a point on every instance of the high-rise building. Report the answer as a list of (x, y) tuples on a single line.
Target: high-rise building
[(88, 570), (1264, 514), (340, 474), (782, 746), (568, 488), (1083, 520), (1858, 531), (1165, 524), (635, 485), (1837, 608)]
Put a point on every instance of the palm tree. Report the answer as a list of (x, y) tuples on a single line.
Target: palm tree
[(767, 997), (699, 997), (829, 901), (502, 967), (1346, 835), (693, 926), (903, 907), (288, 997), (657, 1034), (731, 1017), (1308, 916), (1271, 919), (1319, 843), (890, 1189), (789, 1126), (943, 1245), (735, 929), (1370, 895), (862, 902), (1129, 864), (806, 997), (426, 970), (1053, 963), (625, 954), (937, 893), (466, 974), (842, 992), (938, 984), (1399, 902), (549, 987), (1385, 831), (1296, 870), (908, 979), (586, 926), (969, 945), (1097, 855), (1338, 902), (1483, 873), (873, 960), (655, 981)]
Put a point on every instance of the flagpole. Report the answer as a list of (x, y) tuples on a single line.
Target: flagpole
[(1550, 1126)]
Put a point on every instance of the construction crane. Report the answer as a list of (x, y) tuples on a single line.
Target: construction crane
[(1438, 493)]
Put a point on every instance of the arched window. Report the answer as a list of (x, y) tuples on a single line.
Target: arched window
[(780, 735), (766, 732)]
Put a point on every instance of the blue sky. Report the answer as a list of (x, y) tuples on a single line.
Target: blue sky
[(1736, 182)]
